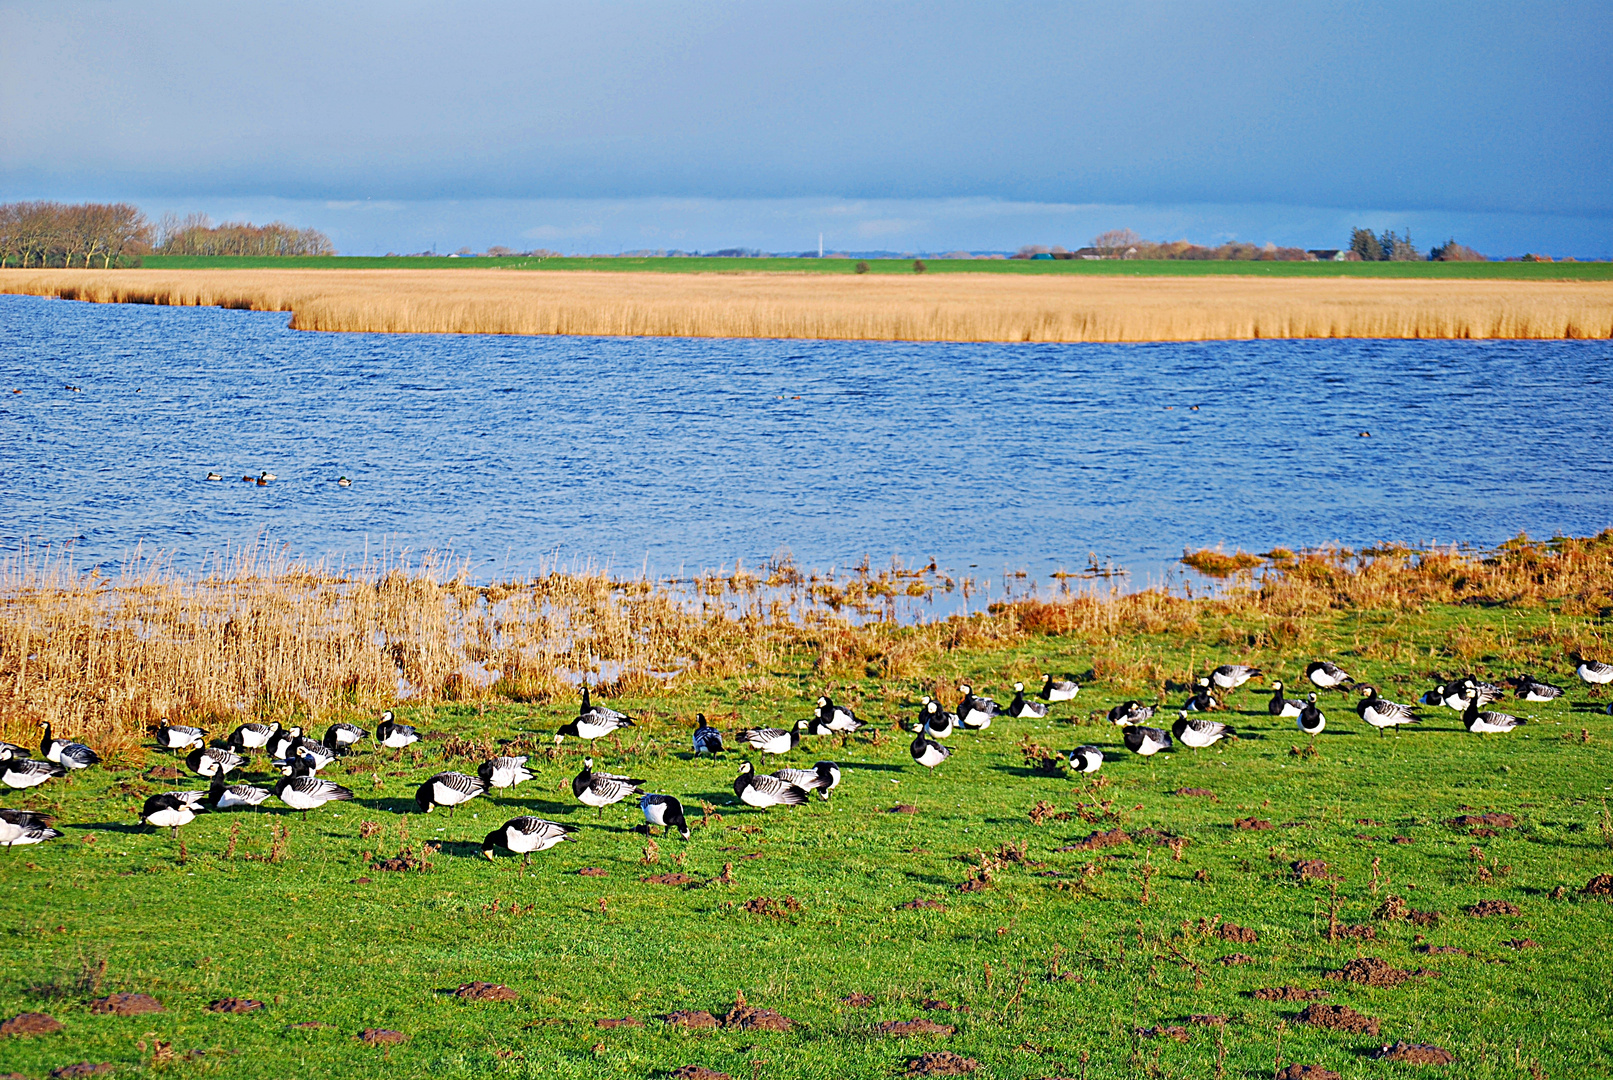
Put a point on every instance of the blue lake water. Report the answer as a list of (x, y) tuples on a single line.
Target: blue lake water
[(679, 455)]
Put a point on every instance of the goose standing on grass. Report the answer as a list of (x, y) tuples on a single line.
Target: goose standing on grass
[(342, 736), (1594, 672), (815, 726), (926, 751), (220, 797), (524, 835), (15, 834), (1058, 689), (772, 740), (280, 743), (837, 717), (1232, 676), (29, 772), (26, 817), (1147, 741), (212, 761), (252, 736), (10, 750), (823, 778), (1310, 720), (707, 739), (665, 811), (600, 790), (1529, 688), (1383, 714), (448, 789), (1202, 700), (1486, 723), (1130, 712), (763, 791), (942, 723), (974, 711), (1489, 692), (504, 772), (1281, 706), (1327, 675), (69, 755), (1199, 733), (393, 735), (177, 737), (1086, 759), (594, 721), (168, 810), (304, 791), (1020, 709), (314, 753)]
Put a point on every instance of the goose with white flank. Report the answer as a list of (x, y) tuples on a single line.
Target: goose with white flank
[(940, 722), (1202, 700), (599, 790), (177, 737), (1021, 709), (213, 761), (25, 817), (815, 726), (1594, 672), (69, 755), (838, 717), (1486, 723), (974, 711), (252, 736), (1086, 759), (1147, 741), (926, 751), (235, 796), (1382, 713), (280, 743), (10, 750), (1310, 720), (524, 835), (24, 772), (665, 811), (823, 778), (1529, 688), (1199, 733), (504, 772), (1058, 689), (393, 735), (316, 754), (168, 810), (1130, 712), (14, 834), (1327, 675), (450, 789), (707, 739), (763, 791), (1232, 676), (772, 740), (594, 721), (1280, 705), (342, 736), (1434, 697), (303, 791)]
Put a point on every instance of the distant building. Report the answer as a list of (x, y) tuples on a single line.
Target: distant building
[(1326, 254), (1042, 255)]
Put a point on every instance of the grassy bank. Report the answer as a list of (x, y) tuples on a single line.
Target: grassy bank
[(983, 306), (1051, 961)]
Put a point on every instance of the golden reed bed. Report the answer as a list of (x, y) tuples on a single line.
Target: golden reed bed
[(937, 307)]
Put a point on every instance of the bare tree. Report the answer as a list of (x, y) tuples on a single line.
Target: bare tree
[(1115, 243)]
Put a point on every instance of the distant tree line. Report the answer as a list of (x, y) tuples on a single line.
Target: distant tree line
[(1365, 246), (195, 234), (41, 234)]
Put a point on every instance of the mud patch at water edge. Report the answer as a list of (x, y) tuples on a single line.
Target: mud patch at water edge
[(234, 1005), (1372, 971), (917, 1026), (1338, 1018), (690, 1018), (1414, 1054), (1289, 993), (126, 1005), (1485, 908), (486, 991), (31, 1024), (941, 1063)]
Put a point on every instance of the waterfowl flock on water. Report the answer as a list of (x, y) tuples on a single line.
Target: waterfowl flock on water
[(297, 757)]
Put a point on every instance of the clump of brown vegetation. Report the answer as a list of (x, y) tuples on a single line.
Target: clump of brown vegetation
[(1219, 564), (777, 908)]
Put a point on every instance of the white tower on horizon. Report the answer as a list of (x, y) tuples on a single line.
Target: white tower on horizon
[(820, 245)]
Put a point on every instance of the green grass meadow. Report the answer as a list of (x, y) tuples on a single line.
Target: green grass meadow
[(1051, 970)]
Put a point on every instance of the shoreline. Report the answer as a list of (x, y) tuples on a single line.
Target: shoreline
[(957, 307)]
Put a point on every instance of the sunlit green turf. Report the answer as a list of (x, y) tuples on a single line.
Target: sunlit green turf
[(1052, 962)]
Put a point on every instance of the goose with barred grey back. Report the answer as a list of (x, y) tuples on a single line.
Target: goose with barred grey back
[(1280, 705), (599, 789), (303, 791), (342, 736), (665, 811), (1199, 733), (24, 772), (772, 740), (1203, 700), (1058, 689), (1383, 714), (10, 750), (524, 835), (448, 789), (235, 796), (21, 834), (1310, 719), (1086, 759), (1327, 675), (762, 791), (1594, 672), (823, 778), (707, 739), (69, 755), (1232, 676), (504, 772), (941, 723), (837, 718), (178, 737), (1022, 709), (976, 712), (252, 736), (1146, 741), (1529, 688), (212, 761), (1130, 712), (167, 810), (1480, 722), (393, 735)]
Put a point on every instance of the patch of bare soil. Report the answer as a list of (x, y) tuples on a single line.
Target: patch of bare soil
[(1195, 792), (1208, 1020), (780, 908), (382, 1037), (592, 871), (902, 808), (126, 1005), (401, 864), (1112, 838), (1243, 935), (698, 1072), (1522, 943), (691, 1018), (1357, 932), (1371, 971), (311, 1025), (83, 1068), (1164, 1031), (234, 1005), (1485, 908), (486, 991), (857, 1001), (1289, 993), (619, 1022), (1310, 870), (1414, 1054), (749, 1018), (916, 1026), (1338, 1018), (1306, 1072), (1232, 959), (1422, 918), (923, 905), (670, 879), (31, 1024), (1600, 885), (1440, 950), (1491, 821), (941, 1063), (1395, 908), (1251, 823), (163, 772)]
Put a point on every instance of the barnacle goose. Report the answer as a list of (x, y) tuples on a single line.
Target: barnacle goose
[(837, 717), (1202, 700), (600, 790), (1529, 688), (974, 711), (69, 755), (772, 740), (25, 817), (941, 722), (220, 797), (212, 761), (1488, 693), (1058, 689), (14, 834), (1311, 721), (707, 739), (1486, 723), (1146, 741), (1383, 714), (1327, 675), (1199, 733), (316, 754), (341, 735), (9, 750), (823, 778), (393, 735), (594, 721), (168, 810), (815, 726), (1594, 672), (22, 772), (1130, 712), (448, 789), (304, 791), (762, 790), (1232, 676), (1020, 709), (252, 736), (665, 811), (504, 772), (1434, 697), (1086, 759), (281, 742), (524, 835), (1284, 708), (177, 736), (926, 751)]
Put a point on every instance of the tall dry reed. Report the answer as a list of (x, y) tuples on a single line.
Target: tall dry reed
[(939, 307)]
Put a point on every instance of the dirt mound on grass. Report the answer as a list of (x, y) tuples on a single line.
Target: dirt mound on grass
[(83, 1068), (1306, 1072), (922, 905), (382, 1036), (1395, 908), (1372, 971), (941, 1063), (31, 1024), (126, 1005), (698, 1072), (1492, 821), (916, 1026), (749, 1018), (902, 808), (1233, 959), (690, 1018), (1251, 823), (1521, 943), (1195, 792), (486, 991), (1243, 935), (163, 772), (1414, 1054), (670, 879), (1289, 993), (1112, 838), (774, 907), (234, 1005), (1440, 950), (1485, 908), (592, 871), (1164, 1031), (857, 1001), (1310, 870), (1338, 1018), (1600, 885), (1208, 1020), (620, 1022)]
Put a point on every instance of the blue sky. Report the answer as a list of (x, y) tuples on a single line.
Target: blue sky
[(603, 127)]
